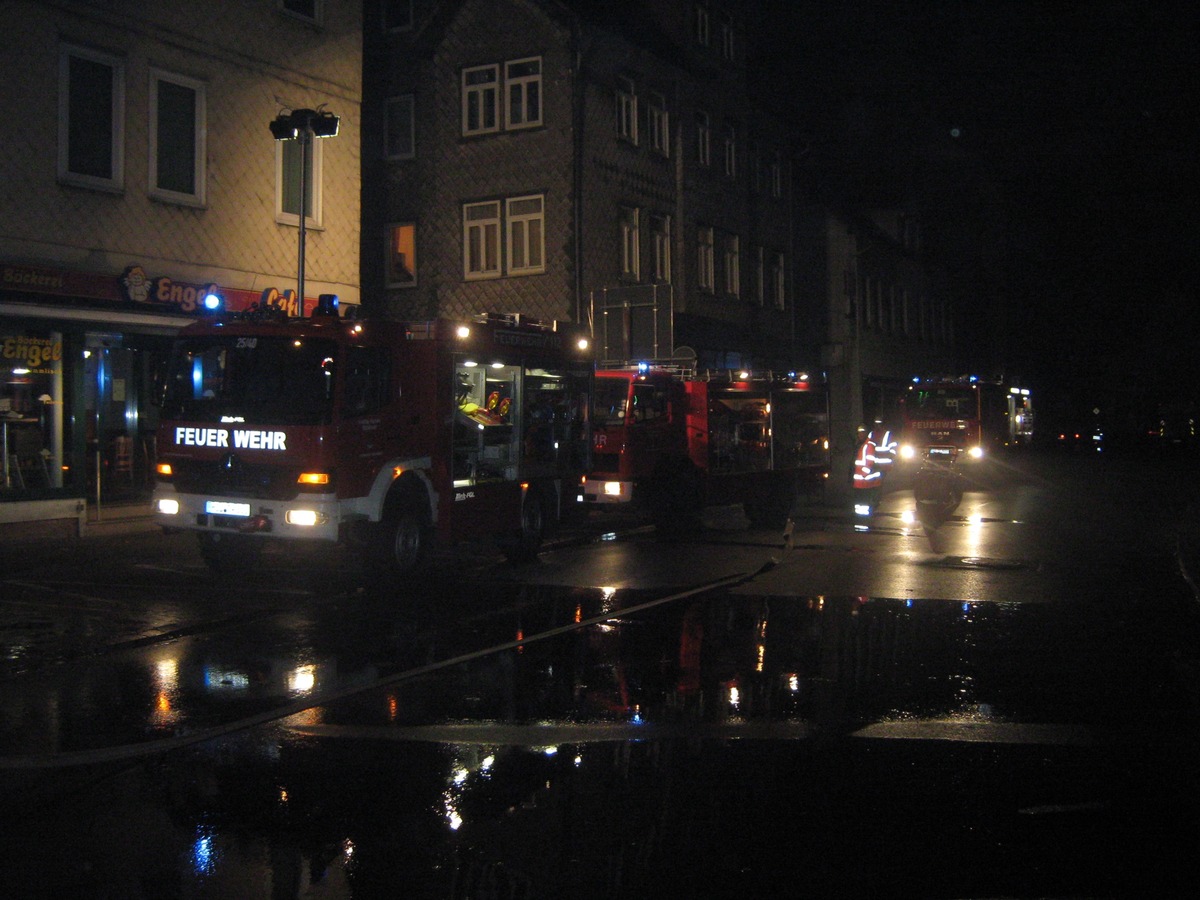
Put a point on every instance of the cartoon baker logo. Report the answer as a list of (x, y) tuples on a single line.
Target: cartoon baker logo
[(135, 284)]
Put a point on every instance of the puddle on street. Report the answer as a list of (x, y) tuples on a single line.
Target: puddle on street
[(522, 742)]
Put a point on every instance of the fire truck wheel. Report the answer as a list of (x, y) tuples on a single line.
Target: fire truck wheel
[(229, 554), (402, 542), (528, 541), (675, 497)]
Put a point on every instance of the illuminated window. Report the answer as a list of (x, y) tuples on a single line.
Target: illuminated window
[(400, 128), (523, 84), (91, 113), (480, 90), (402, 255), (177, 138)]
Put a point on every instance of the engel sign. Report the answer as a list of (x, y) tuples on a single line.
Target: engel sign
[(242, 438)]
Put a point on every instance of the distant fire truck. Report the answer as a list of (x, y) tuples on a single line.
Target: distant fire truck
[(675, 441), (963, 417), (381, 434)]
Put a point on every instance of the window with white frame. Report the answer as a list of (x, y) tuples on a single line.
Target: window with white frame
[(481, 240), (627, 111), (660, 231), (630, 243), (526, 235), (177, 138), (400, 127), (91, 115), (729, 142), (705, 267), (397, 15), (289, 183), (402, 255), (733, 269), (726, 28), (660, 124), (480, 100), (523, 84), (703, 138), (308, 10), (702, 28), (776, 274), (760, 276)]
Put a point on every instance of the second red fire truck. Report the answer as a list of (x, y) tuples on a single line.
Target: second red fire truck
[(382, 434), (674, 441)]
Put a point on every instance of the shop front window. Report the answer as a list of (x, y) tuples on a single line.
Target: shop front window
[(33, 416)]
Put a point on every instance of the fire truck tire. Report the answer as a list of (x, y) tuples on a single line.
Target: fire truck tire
[(229, 554), (401, 545), (676, 498), (528, 541)]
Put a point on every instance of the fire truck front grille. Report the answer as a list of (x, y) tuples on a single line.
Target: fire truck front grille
[(243, 480), (606, 462)]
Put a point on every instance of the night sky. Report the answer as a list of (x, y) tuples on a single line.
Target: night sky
[(1053, 146)]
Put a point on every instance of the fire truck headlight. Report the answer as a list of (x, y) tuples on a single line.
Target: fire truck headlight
[(313, 478), (975, 453), (168, 506), (306, 518), (907, 451), (612, 488)]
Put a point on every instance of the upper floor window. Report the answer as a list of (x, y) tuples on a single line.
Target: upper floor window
[(397, 15), (702, 28), (660, 124), (705, 268), (481, 240), (290, 183), (631, 240), (727, 46), (729, 142), (399, 127), (703, 139), (177, 138), (526, 235), (776, 168), (309, 10), (660, 229), (91, 115), (523, 81), (402, 255), (775, 280), (733, 269), (627, 118), (480, 89)]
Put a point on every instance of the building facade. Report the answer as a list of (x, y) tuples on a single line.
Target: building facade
[(143, 178), (602, 163)]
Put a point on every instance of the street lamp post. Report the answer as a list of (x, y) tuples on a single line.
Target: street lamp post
[(303, 125)]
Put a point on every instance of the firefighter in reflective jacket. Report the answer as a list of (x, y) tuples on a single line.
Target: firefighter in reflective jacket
[(868, 476)]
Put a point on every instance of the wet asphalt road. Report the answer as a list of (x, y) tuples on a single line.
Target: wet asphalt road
[(1002, 705)]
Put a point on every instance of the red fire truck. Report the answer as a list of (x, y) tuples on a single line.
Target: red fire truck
[(963, 417), (675, 441), (381, 434)]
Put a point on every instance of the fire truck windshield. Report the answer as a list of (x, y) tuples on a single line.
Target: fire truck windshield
[(257, 379), (609, 403), (941, 403)]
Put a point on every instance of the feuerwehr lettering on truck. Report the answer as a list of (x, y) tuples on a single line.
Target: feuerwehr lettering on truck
[(238, 438)]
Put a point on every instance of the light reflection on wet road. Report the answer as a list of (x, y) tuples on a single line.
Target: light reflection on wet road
[(559, 732)]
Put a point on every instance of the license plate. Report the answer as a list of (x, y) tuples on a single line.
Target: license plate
[(219, 508), (941, 451)]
